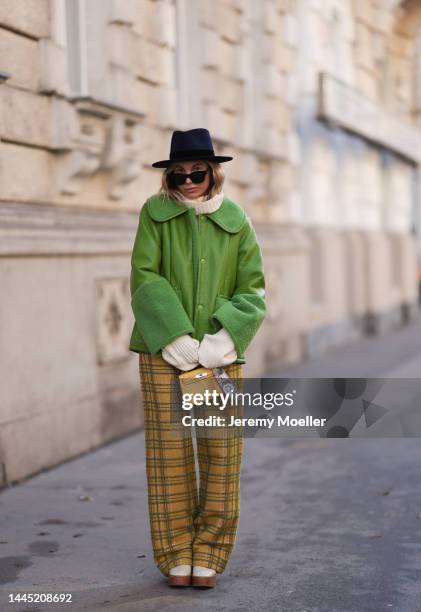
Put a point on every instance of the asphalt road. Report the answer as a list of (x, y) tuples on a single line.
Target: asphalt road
[(327, 525)]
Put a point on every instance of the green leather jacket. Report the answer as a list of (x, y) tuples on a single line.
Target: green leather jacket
[(195, 274)]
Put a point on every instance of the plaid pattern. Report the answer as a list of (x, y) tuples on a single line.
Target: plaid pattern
[(188, 526)]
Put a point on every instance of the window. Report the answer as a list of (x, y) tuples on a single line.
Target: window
[(79, 29)]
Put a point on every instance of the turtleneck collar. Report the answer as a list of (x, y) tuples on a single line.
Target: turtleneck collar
[(202, 205)]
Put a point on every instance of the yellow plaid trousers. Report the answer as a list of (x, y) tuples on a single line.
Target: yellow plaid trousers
[(188, 526)]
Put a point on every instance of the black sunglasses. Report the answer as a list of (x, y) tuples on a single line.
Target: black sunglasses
[(179, 178)]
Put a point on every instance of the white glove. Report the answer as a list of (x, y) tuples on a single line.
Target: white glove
[(182, 352), (217, 350)]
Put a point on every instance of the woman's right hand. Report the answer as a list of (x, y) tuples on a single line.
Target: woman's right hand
[(182, 353)]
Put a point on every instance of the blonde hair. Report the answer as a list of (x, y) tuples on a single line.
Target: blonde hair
[(217, 178)]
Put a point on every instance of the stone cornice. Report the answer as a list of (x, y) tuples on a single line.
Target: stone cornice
[(342, 105), (43, 230)]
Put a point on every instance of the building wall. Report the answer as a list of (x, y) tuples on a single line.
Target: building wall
[(359, 155), (319, 103)]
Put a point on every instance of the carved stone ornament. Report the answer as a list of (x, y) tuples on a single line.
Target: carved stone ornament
[(114, 319), (94, 136)]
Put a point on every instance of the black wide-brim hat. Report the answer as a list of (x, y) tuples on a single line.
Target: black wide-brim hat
[(190, 145)]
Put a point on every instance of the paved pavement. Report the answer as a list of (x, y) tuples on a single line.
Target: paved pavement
[(396, 354), (327, 525)]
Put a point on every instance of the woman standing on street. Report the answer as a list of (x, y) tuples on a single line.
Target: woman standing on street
[(198, 298)]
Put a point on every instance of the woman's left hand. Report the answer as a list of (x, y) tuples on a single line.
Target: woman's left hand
[(217, 350)]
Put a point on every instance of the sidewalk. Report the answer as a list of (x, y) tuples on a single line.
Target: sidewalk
[(396, 354), (327, 525)]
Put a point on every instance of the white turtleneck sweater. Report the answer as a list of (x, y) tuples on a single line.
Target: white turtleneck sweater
[(215, 350), (204, 206)]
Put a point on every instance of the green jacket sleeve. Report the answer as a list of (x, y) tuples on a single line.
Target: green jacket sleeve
[(243, 314), (159, 314)]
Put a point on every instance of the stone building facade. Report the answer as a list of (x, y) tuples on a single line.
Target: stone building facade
[(319, 102)]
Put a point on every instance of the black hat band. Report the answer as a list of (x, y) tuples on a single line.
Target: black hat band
[(179, 154)]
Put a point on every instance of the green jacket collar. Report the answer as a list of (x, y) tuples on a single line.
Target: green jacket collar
[(229, 216)]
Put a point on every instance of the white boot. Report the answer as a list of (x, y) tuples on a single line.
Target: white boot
[(180, 570), (204, 572)]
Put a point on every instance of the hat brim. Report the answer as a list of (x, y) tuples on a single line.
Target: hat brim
[(167, 162)]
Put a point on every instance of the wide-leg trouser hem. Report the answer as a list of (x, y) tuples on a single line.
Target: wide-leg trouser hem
[(211, 561)]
